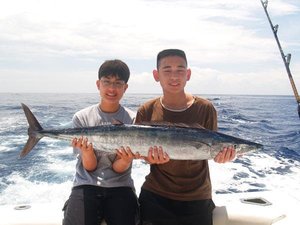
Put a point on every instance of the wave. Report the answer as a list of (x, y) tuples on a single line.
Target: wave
[(46, 174)]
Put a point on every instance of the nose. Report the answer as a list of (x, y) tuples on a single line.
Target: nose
[(174, 74)]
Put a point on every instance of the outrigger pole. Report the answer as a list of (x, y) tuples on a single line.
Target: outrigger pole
[(286, 58)]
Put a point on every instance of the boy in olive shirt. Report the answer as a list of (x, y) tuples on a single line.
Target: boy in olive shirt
[(177, 192)]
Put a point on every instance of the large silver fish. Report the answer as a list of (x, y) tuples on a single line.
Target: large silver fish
[(181, 143)]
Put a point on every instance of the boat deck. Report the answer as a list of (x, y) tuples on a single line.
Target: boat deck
[(273, 208)]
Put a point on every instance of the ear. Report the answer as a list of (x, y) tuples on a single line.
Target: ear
[(125, 87), (155, 75), (188, 74), (98, 84)]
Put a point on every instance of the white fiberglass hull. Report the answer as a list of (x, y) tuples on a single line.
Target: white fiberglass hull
[(280, 209)]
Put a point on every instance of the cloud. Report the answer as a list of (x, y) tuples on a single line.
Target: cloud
[(58, 38), (209, 81)]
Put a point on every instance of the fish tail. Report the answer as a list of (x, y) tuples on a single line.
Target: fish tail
[(34, 128)]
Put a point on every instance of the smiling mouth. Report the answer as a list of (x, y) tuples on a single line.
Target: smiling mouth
[(174, 84), (111, 95)]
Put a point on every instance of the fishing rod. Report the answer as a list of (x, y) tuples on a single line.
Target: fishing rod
[(286, 58)]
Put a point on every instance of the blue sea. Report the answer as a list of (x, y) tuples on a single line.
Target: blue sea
[(46, 174)]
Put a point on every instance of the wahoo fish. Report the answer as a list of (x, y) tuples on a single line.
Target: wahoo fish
[(180, 142)]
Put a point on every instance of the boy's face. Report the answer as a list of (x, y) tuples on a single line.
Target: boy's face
[(111, 88), (172, 74)]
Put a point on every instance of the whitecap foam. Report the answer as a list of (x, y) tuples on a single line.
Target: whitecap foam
[(260, 173), (22, 191)]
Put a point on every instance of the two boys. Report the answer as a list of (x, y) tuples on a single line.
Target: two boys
[(175, 192)]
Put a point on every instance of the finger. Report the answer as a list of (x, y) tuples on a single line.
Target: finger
[(161, 156), (217, 158), (119, 153), (74, 141), (155, 154), (79, 142), (122, 150), (149, 158), (166, 157), (128, 151), (225, 155), (229, 154), (233, 154), (150, 152), (90, 147), (220, 156), (84, 143), (160, 153)]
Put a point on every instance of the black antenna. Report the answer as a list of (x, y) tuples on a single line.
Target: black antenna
[(286, 58)]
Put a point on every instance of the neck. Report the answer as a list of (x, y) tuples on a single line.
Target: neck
[(109, 108), (177, 102)]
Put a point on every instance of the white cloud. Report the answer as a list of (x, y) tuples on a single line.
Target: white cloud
[(73, 37)]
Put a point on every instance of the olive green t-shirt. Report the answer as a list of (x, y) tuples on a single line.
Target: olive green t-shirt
[(183, 180)]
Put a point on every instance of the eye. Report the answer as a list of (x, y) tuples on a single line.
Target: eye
[(119, 83), (106, 82), (167, 71)]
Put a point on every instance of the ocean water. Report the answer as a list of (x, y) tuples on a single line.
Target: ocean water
[(46, 174)]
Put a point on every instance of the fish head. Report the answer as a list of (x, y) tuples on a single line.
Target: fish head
[(244, 147), (240, 148)]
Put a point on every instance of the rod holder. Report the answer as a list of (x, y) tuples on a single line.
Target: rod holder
[(288, 58), (275, 28)]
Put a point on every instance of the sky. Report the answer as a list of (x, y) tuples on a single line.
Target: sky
[(57, 46)]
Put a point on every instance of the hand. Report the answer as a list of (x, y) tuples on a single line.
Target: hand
[(126, 154), (156, 155), (82, 144), (124, 159), (226, 155), (89, 160)]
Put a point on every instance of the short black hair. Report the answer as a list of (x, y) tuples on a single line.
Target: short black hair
[(114, 67), (170, 52)]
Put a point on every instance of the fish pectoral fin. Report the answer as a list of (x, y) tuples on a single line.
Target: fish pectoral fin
[(116, 122), (199, 144)]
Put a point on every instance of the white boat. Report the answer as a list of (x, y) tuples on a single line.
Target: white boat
[(251, 208), (256, 208)]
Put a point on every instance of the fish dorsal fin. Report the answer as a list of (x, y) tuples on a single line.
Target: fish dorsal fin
[(116, 122), (169, 124)]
